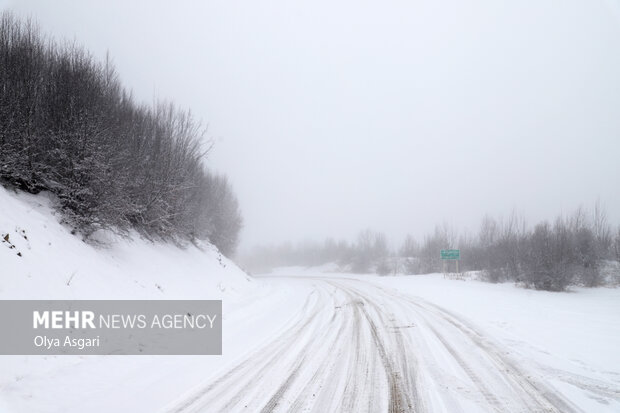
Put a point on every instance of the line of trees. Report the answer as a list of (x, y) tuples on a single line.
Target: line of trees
[(68, 126), (550, 256)]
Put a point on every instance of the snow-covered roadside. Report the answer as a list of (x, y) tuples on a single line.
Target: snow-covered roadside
[(571, 339), (140, 383), (53, 264)]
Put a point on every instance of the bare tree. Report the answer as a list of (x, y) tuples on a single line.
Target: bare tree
[(602, 230)]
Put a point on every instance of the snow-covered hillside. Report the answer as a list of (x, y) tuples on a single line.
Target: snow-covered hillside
[(41, 259)]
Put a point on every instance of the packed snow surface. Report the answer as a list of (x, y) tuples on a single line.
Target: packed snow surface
[(427, 344)]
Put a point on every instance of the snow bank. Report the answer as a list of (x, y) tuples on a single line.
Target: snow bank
[(41, 259)]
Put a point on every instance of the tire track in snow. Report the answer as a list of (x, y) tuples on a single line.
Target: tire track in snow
[(534, 395), (246, 370), (390, 351)]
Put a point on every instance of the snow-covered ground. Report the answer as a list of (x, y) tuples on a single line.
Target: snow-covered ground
[(307, 339), (53, 264), (570, 340)]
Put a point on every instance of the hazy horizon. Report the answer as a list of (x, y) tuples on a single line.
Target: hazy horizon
[(331, 118)]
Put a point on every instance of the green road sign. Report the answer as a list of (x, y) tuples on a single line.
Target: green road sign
[(450, 254)]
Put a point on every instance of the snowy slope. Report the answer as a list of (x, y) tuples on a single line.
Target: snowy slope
[(53, 264), (57, 265)]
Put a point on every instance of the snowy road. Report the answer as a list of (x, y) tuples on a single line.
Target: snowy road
[(360, 347)]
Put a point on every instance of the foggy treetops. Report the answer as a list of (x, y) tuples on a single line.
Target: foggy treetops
[(69, 127)]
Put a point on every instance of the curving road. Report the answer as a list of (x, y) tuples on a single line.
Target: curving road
[(358, 347)]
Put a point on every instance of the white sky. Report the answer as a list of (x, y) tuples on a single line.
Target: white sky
[(333, 116)]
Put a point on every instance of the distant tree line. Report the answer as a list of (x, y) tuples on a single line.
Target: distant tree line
[(361, 256), (68, 126), (550, 256)]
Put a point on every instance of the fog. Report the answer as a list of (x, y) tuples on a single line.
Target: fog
[(330, 117)]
